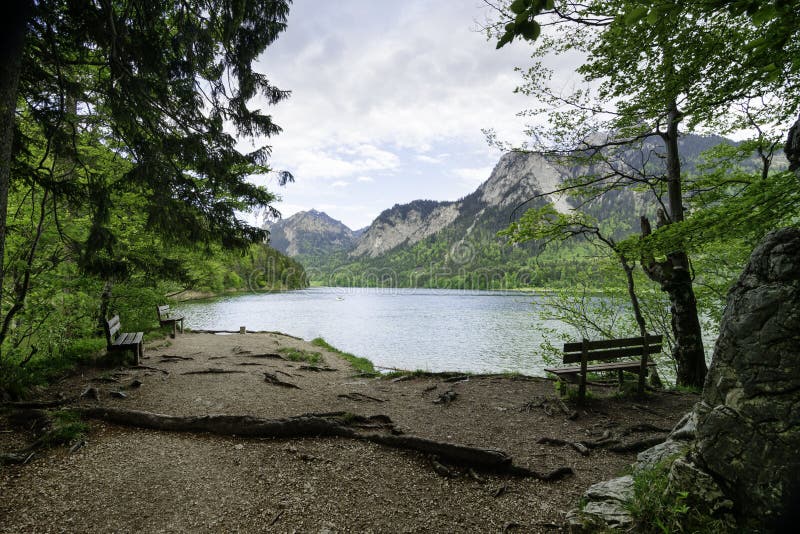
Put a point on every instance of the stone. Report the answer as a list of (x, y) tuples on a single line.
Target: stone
[(653, 456), (605, 507), (704, 492), (748, 422), (792, 146), (686, 428)]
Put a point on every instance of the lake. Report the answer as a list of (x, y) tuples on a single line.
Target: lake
[(429, 329)]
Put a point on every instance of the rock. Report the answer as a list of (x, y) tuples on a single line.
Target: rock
[(605, 507), (706, 495), (792, 146), (118, 394), (653, 456), (686, 428), (748, 428), (135, 384)]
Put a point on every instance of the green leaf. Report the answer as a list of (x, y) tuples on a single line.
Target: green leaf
[(519, 6), (505, 39), (530, 30), (653, 17), (549, 4), (635, 15), (764, 14)]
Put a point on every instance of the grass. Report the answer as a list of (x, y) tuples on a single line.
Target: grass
[(300, 355), (67, 428), (655, 510), (362, 365)]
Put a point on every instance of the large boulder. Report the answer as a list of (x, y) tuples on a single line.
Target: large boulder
[(748, 428)]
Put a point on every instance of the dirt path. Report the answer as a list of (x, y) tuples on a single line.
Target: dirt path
[(132, 480)]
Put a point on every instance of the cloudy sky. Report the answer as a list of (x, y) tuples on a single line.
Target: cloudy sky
[(388, 102)]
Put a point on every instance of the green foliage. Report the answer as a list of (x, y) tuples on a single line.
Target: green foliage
[(124, 185), (659, 511), (362, 365), (67, 428), (300, 355)]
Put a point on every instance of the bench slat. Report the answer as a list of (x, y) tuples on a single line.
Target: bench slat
[(611, 354), (577, 346), (634, 366)]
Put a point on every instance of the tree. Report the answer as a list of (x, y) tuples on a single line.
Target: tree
[(650, 68), (160, 84)]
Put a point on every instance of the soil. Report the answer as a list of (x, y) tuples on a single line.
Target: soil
[(133, 480)]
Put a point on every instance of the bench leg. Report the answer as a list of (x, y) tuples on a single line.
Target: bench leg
[(181, 326), (174, 329)]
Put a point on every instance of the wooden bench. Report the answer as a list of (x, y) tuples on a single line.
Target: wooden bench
[(582, 352), (165, 317), (116, 340)]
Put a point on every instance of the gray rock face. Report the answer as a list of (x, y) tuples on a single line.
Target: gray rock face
[(792, 146), (605, 507), (748, 431)]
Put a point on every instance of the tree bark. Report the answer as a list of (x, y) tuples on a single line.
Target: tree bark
[(676, 282), (673, 273), (12, 43)]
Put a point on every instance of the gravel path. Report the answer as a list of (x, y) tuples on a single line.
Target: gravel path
[(133, 480)]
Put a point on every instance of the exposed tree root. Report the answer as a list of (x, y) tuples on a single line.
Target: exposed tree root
[(212, 371), (337, 424), (275, 381), (271, 355), (359, 397), (38, 404), (148, 368), (580, 447), (638, 445), (315, 368)]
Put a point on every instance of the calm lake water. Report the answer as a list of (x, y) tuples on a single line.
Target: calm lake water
[(430, 329)]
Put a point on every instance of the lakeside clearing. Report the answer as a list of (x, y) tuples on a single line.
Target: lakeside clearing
[(133, 479)]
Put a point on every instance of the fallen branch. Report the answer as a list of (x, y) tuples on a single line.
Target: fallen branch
[(175, 357)]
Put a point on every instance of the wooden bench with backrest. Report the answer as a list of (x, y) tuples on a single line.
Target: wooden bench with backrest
[(116, 340), (165, 317), (582, 352)]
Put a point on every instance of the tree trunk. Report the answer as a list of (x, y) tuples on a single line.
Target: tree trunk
[(12, 43), (637, 313), (673, 273)]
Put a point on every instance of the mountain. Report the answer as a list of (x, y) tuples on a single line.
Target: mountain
[(516, 178), (310, 233), (428, 243)]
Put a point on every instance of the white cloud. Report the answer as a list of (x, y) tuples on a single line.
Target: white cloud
[(428, 159), (386, 90), (340, 183)]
